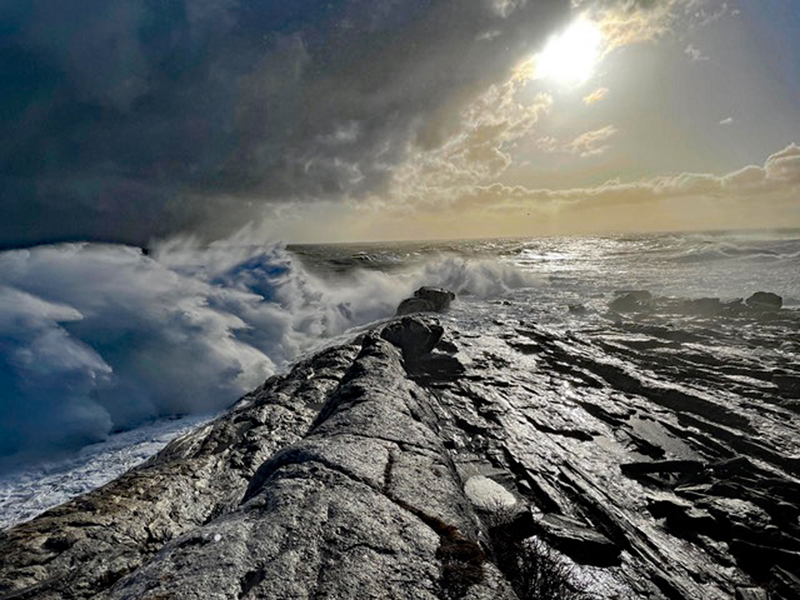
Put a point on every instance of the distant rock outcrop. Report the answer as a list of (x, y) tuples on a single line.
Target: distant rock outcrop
[(631, 301), (426, 299), (760, 305), (765, 301)]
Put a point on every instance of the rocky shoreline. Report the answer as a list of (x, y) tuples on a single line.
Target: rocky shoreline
[(418, 461)]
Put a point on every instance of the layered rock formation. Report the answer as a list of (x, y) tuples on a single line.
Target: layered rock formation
[(424, 462)]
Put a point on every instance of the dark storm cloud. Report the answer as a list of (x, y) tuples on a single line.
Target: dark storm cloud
[(136, 118)]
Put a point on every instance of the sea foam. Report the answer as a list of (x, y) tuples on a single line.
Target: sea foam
[(103, 338)]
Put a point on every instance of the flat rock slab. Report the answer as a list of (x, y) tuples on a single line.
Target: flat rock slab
[(576, 540)]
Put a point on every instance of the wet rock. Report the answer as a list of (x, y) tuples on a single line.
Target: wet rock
[(438, 366), (354, 475), (417, 338), (786, 584), (410, 306), (704, 307), (683, 518), (577, 309), (578, 541), (765, 301), (679, 467), (751, 593), (632, 301), (440, 297), (367, 505), (426, 299), (413, 336)]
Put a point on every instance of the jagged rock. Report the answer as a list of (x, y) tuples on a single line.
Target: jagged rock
[(438, 366), (751, 593), (94, 540), (577, 309), (426, 299), (410, 306), (765, 301), (413, 336), (417, 338), (367, 505), (345, 478), (632, 301), (577, 541), (440, 297), (683, 518), (786, 584), (681, 467)]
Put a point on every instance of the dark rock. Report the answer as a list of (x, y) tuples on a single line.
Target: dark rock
[(704, 307), (410, 306), (786, 585), (683, 518), (734, 305), (765, 301), (682, 467), (440, 367), (440, 297), (577, 309), (59, 543), (426, 299), (415, 337), (632, 301), (576, 540), (751, 593), (447, 346)]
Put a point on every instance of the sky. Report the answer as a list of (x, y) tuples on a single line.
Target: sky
[(137, 120)]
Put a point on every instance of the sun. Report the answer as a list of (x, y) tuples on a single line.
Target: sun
[(570, 57)]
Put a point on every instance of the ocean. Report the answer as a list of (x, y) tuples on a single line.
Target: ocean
[(108, 352)]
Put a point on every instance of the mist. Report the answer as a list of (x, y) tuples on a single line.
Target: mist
[(100, 338)]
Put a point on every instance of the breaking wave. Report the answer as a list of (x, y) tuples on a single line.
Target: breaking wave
[(101, 338)]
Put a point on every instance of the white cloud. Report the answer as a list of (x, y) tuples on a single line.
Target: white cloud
[(592, 143), (779, 176), (596, 96), (694, 54)]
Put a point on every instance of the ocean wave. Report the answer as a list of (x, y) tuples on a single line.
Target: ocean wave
[(102, 338)]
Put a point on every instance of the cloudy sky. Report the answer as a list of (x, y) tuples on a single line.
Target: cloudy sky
[(134, 120)]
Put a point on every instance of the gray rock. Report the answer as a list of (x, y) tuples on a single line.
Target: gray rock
[(426, 299), (409, 306), (440, 297), (577, 540), (704, 307), (631, 301), (414, 336), (651, 447), (92, 541), (765, 301), (367, 505)]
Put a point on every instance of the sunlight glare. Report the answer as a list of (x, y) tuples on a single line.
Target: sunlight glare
[(570, 57)]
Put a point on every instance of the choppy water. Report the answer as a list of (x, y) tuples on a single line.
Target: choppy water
[(95, 339)]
